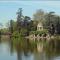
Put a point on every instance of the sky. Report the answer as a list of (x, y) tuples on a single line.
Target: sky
[(8, 9)]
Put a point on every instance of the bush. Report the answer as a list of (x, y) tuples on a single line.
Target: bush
[(39, 32)]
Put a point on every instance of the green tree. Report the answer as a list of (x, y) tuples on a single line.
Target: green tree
[(11, 26), (19, 19)]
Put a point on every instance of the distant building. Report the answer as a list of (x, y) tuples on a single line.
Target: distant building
[(39, 26)]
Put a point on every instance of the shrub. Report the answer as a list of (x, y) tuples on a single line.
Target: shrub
[(39, 32)]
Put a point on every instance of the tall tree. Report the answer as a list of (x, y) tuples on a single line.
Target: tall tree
[(19, 18), (49, 17), (58, 26), (39, 15), (26, 21), (11, 26)]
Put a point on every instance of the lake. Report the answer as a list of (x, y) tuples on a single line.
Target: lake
[(41, 50)]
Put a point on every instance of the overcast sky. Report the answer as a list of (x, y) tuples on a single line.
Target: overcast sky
[(8, 9)]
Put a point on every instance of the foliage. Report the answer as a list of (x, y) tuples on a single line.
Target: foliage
[(47, 19), (25, 26), (39, 15), (16, 35), (39, 32)]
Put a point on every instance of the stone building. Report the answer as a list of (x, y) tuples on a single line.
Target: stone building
[(39, 26)]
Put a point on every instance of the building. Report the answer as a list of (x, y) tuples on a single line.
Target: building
[(39, 26)]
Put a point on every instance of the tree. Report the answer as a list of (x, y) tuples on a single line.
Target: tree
[(49, 19), (39, 16), (26, 24), (11, 26), (19, 19), (58, 26), (26, 21), (52, 29), (19, 15)]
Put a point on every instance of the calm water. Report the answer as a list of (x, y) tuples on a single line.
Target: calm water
[(42, 50)]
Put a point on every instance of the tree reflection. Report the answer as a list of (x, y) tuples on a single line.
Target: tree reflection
[(42, 49)]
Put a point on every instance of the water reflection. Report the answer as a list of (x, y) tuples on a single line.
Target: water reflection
[(27, 49)]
